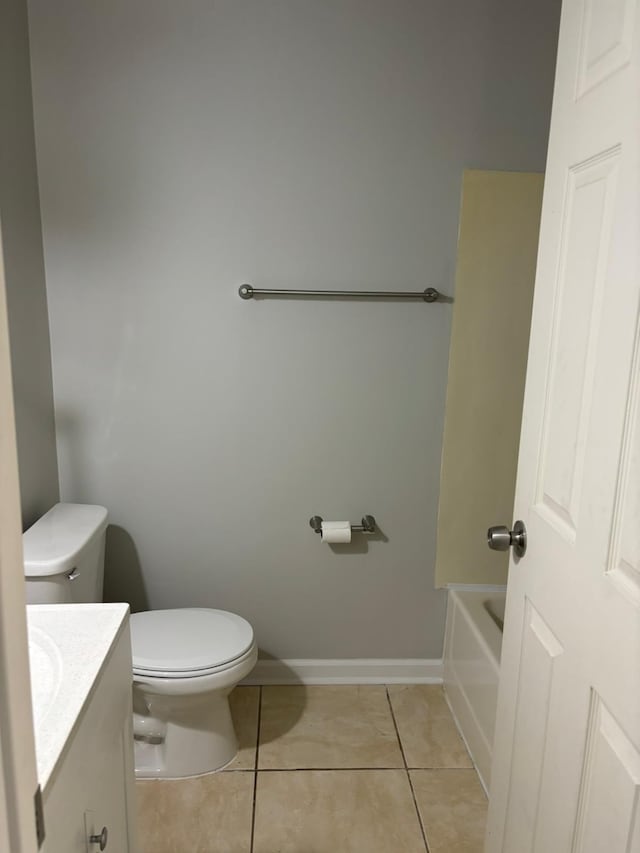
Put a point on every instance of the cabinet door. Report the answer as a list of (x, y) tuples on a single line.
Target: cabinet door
[(93, 785)]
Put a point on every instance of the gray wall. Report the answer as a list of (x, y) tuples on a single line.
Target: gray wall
[(185, 148), (24, 270)]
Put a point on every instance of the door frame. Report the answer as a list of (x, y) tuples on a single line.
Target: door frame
[(18, 773)]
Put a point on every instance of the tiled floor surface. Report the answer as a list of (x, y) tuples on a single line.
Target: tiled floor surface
[(339, 769)]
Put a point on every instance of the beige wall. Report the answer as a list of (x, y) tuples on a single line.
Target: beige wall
[(497, 246), (24, 270)]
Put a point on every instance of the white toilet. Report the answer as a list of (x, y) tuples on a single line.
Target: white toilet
[(185, 661)]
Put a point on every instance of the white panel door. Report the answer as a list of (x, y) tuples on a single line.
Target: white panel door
[(566, 772)]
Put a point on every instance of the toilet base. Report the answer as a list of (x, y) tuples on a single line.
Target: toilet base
[(183, 727), (185, 741)]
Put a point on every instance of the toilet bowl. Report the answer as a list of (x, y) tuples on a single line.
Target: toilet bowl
[(185, 664), (186, 661)]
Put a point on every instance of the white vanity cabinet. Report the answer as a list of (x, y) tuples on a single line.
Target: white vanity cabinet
[(91, 784)]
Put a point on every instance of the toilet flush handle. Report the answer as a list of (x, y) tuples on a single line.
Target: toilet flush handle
[(73, 574)]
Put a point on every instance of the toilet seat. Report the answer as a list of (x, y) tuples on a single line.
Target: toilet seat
[(155, 674), (188, 642)]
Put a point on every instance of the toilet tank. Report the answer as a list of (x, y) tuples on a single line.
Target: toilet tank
[(64, 555)]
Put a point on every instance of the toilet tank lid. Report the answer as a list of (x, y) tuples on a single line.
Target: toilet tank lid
[(52, 544)]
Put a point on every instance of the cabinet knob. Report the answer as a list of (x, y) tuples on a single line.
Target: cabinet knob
[(101, 839)]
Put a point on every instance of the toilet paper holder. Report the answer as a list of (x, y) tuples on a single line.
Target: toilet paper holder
[(367, 525)]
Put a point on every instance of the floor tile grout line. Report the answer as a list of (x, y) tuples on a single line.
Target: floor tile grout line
[(406, 770), (255, 766), (397, 731), (415, 803), (255, 772), (305, 769)]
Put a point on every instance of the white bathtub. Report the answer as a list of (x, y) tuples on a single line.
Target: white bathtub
[(473, 641)]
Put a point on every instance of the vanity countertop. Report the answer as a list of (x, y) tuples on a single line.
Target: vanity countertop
[(69, 645)]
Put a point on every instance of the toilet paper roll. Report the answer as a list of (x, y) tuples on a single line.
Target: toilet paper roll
[(336, 531)]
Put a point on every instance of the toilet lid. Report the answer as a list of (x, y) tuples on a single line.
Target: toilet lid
[(188, 639)]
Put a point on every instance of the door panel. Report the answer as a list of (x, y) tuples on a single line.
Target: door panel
[(539, 651), (606, 41), (586, 229), (623, 561), (608, 817)]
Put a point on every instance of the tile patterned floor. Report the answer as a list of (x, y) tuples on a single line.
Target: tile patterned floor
[(336, 769)]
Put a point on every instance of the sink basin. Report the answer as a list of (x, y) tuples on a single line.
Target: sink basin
[(46, 673)]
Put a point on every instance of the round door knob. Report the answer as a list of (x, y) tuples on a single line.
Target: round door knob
[(500, 538), (101, 839)]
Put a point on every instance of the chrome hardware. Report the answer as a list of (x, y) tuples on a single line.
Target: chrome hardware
[(39, 814), (368, 524), (101, 839), (500, 538), (246, 291), (73, 574)]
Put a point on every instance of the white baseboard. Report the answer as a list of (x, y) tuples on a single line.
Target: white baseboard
[(348, 671)]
